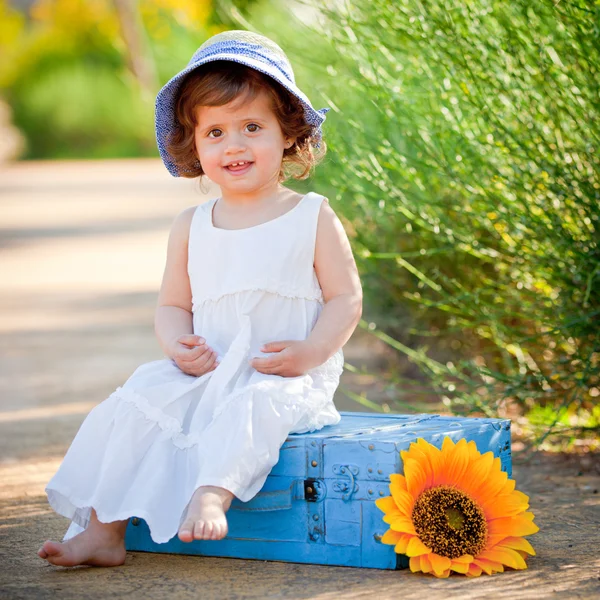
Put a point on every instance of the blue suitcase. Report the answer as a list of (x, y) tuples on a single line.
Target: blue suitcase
[(318, 503)]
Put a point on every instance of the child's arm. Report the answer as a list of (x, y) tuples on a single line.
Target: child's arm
[(338, 276), (173, 321), (173, 315)]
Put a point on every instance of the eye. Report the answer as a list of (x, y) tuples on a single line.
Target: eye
[(213, 130), (252, 125)]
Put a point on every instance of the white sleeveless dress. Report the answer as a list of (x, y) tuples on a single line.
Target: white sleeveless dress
[(145, 449)]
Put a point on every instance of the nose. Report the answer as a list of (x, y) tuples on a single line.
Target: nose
[(236, 144)]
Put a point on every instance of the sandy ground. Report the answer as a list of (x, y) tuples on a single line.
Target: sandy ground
[(83, 249)]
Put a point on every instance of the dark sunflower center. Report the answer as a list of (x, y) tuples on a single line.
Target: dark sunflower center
[(449, 522)]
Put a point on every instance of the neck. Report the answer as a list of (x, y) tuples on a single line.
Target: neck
[(251, 198)]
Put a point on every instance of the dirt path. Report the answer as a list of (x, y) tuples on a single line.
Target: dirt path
[(83, 248)]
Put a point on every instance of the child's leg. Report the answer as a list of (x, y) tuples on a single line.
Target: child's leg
[(101, 545), (205, 518)]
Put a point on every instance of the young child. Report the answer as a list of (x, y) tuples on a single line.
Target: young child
[(259, 294)]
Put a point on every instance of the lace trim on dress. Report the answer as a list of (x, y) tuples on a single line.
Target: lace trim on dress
[(299, 293), (332, 368)]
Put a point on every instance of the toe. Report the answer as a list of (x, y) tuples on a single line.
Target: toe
[(186, 531), (209, 530), (199, 530), (52, 548), (55, 554)]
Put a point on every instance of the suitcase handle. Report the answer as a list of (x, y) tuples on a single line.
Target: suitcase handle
[(273, 500)]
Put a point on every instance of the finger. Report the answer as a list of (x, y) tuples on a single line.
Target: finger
[(184, 351), (270, 371), (196, 353), (207, 360), (266, 363), (190, 339), (275, 346)]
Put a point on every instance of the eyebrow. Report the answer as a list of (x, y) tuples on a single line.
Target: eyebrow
[(259, 119)]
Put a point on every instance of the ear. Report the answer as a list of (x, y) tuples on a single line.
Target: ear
[(289, 142)]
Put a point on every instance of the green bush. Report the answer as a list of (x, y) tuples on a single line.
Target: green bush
[(467, 151), (463, 158)]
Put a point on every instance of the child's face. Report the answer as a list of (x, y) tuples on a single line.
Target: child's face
[(248, 132)]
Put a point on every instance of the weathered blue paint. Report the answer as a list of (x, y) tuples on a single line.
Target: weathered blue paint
[(318, 503)]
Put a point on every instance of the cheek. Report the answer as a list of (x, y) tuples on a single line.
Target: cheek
[(209, 156), (264, 152)]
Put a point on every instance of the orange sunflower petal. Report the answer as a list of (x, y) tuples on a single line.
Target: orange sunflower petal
[(509, 487), (417, 450), (484, 566), (387, 505), (517, 526), (404, 525), (439, 563), (425, 563), (459, 567), (415, 564), (518, 543), (415, 477), (489, 566), (458, 463), (432, 458), (402, 543), (474, 570), (493, 484), (398, 480), (479, 472), (474, 453), (493, 539), (523, 497), (403, 500), (465, 558), (416, 547), (391, 537), (504, 506), (505, 556), (523, 554)]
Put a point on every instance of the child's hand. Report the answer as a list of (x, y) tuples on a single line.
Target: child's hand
[(291, 358), (193, 356)]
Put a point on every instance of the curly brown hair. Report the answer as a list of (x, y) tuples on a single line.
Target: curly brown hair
[(220, 82)]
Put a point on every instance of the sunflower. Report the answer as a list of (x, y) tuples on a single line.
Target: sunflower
[(455, 510)]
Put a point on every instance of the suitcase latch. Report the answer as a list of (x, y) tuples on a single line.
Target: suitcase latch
[(349, 486), (313, 490)]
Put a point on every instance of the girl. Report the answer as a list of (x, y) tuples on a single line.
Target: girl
[(259, 294)]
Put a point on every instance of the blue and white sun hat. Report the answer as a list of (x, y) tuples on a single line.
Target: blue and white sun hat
[(244, 47)]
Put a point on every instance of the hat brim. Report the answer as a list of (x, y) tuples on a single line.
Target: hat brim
[(165, 121)]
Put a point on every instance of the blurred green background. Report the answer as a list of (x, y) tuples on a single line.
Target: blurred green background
[(462, 158)]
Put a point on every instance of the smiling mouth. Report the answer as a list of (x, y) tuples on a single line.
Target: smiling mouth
[(238, 167)]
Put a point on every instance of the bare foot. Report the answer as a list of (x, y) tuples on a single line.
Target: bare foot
[(205, 518), (100, 545)]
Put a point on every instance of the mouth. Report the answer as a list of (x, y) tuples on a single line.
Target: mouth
[(239, 167)]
